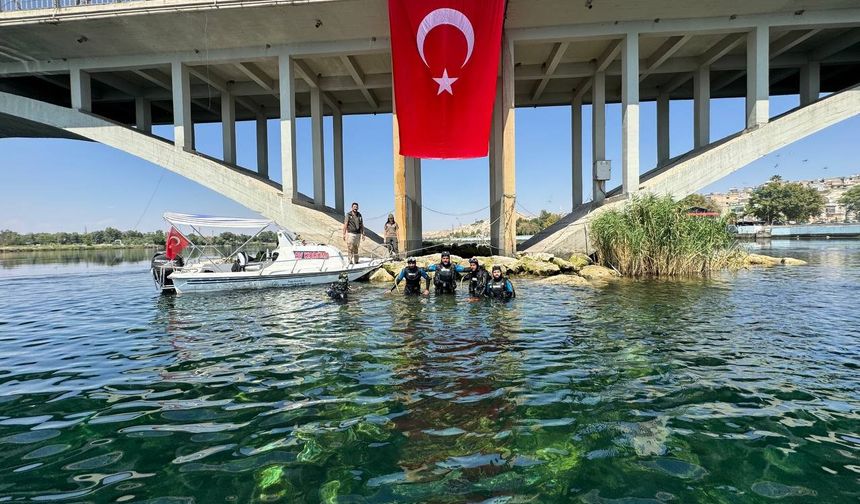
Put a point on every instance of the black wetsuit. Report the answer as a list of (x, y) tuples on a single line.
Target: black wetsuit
[(478, 281), (338, 291), (413, 278), (500, 289)]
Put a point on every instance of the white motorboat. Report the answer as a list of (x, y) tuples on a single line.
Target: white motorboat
[(292, 264)]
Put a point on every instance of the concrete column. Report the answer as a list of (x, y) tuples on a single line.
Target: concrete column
[(82, 96), (407, 195), (228, 127), (287, 95), (810, 82), (662, 128), (143, 114), (576, 150), (505, 241), (317, 146), (183, 127), (337, 138), (262, 146), (598, 133), (758, 48), (630, 114), (702, 107), (496, 133)]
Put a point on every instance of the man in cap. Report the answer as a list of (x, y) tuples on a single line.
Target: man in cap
[(477, 277), (413, 275), (446, 274), (499, 286)]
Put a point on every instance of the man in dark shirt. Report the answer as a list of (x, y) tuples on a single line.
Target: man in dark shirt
[(353, 231)]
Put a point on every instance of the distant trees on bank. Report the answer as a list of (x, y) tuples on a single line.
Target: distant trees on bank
[(851, 200), (113, 236), (536, 224), (778, 201)]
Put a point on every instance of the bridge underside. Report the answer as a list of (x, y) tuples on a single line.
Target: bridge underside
[(139, 64)]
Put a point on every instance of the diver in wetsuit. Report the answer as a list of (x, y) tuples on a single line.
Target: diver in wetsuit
[(477, 277), (499, 286), (340, 289), (446, 274), (413, 275)]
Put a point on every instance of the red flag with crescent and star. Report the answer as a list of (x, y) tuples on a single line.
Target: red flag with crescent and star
[(174, 244), (445, 55)]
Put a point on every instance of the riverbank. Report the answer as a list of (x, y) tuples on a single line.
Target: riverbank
[(60, 247)]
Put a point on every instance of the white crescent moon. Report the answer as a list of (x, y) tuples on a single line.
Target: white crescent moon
[(451, 17), (175, 238)]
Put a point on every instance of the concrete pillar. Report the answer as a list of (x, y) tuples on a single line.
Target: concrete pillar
[(407, 195), (662, 128), (702, 107), (810, 82), (183, 127), (143, 114), (318, 148), (82, 96), (630, 114), (287, 95), (758, 47), (598, 133), (337, 138), (228, 127), (262, 146), (505, 240), (576, 150), (496, 133)]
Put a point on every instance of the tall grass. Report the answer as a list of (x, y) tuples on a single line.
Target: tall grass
[(653, 236)]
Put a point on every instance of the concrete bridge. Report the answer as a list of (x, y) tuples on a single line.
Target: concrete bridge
[(107, 71)]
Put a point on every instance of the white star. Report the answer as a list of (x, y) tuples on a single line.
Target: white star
[(445, 83)]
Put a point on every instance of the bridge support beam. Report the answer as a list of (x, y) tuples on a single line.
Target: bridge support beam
[(82, 97), (702, 107), (337, 138), (662, 128), (407, 195), (503, 198), (143, 114), (183, 127), (287, 96), (810, 82), (228, 127), (318, 147), (758, 47), (576, 149), (630, 114), (598, 134), (262, 146)]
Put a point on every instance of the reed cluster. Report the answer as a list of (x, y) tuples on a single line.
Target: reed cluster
[(655, 236)]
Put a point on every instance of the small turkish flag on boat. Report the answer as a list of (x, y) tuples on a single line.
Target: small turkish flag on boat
[(445, 55), (175, 243)]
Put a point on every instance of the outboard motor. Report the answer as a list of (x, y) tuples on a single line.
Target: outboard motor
[(162, 267)]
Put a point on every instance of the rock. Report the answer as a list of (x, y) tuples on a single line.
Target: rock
[(427, 260), (381, 276), (564, 266), (790, 261), (569, 280), (540, 256), (760, 260), (579, 261), (394, 267), (530, 266), (595, 272)]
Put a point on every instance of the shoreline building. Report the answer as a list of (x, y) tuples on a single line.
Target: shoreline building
[(108, 71)]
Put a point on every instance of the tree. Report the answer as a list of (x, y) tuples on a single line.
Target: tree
[(851, 200), (699, 201), (778, 201)]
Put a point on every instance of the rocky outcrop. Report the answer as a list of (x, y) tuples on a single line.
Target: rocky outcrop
[(579, 260), (763, 260), (566, 280), (601, 273), (381, 276)]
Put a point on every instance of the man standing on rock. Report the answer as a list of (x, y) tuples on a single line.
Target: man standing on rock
[(353, 231)]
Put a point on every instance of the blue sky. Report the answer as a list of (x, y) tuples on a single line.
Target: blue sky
[(67, 185)]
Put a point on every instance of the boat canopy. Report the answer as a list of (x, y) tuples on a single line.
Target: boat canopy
[(210, 221)]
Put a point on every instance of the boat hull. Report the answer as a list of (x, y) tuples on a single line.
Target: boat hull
[(209, 282)]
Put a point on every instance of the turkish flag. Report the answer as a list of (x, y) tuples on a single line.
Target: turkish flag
[(445, 55), (175, 243)]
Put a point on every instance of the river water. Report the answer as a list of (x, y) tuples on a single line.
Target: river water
[(739, 388)]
